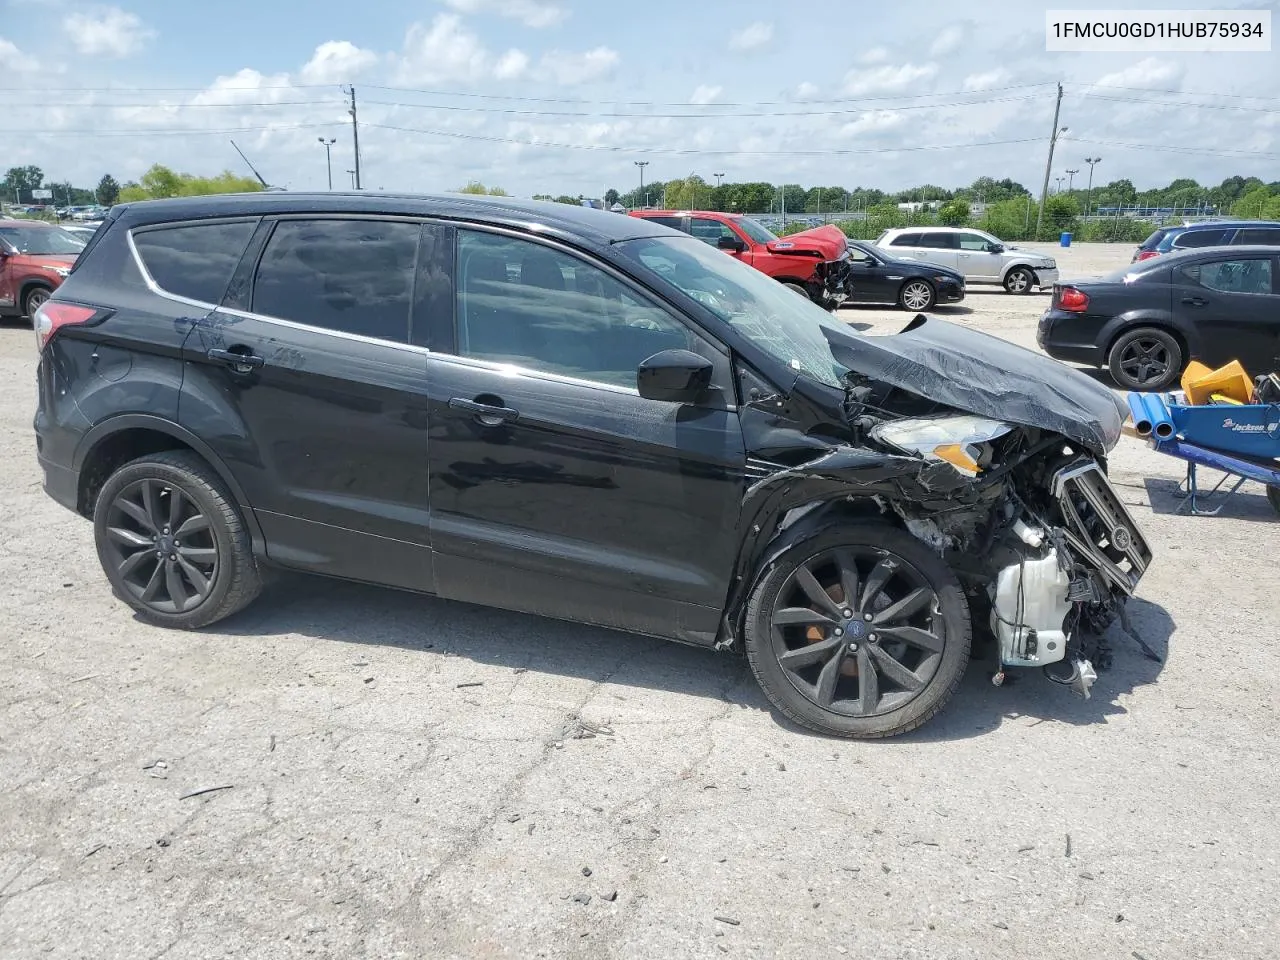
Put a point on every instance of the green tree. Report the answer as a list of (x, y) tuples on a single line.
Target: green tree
[(565, 198), (1061, 211), (108, 191), (1253, 204), (160, 182), (19, 182), (479, 189), (954, 213), (611, 196)]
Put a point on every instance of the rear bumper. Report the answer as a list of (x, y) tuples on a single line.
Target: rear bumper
[(1070, 337), (61, 483)]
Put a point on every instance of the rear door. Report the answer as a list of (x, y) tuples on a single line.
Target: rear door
[(8, 289), (938, 246), (975, 259), (555, 488), (1234, 306), (307, 382)]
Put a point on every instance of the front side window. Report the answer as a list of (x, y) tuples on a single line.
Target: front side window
[(973, 242), (787, 327), (1231, 276), (710, 231), (349, 276), (195, 261), (536, 307)]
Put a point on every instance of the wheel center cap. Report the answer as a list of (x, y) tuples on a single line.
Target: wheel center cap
[(165, 543), (856, 629)]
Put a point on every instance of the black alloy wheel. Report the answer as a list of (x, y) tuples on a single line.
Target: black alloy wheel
[(1145, 359), (172, 541), (862, 634)]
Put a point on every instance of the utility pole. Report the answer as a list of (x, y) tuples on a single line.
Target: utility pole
[(642, 164), (1071, 179), (327, 162), (355, 136), (1048, 164), (1089, 193), (719, 177)]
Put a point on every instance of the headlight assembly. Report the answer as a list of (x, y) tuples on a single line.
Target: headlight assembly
[(955, 440)]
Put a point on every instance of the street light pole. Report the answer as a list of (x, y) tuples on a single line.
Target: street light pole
[(1089, 193), (353, 178), (1059, 180), (327, 163), (719, 177), (642, 164), (1071, 179)]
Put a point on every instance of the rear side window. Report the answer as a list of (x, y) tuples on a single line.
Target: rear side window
[(1265, 235), (1202, 238), (194, 261), (350, 276), (1232, 276), (906, 240), (938, 241), (1153, 241)]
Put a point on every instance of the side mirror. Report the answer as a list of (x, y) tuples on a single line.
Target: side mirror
[(731, 243), (995, 248), (676, 376)]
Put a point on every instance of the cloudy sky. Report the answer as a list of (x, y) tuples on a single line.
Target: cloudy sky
[(562, 96)]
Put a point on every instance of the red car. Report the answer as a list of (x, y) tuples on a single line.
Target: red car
[(814, 263), (35, 258)]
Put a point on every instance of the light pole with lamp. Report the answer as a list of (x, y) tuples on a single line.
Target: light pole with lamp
[(1071, 179), (719, 177), (328, 165), (1089, 193), (644, 201), (353, 178)]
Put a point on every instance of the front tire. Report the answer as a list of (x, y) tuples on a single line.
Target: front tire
[(1019, 280), (32, 301), (860, 632), (797, 288), (916, 295), (172, 542), (1147, 358)]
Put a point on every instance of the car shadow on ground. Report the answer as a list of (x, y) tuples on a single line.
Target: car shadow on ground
[(1249, 503), (357, 614)]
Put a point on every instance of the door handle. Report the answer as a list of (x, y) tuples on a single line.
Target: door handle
[(490, 415), (1195, 301), (240, 361)]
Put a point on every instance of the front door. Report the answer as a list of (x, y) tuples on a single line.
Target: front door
[(1233, 306), (871, 279), (555, 488), (715, 233), (306, 384), (975, 259)]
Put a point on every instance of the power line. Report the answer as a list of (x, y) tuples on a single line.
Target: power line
[(522, 111), (179, 132), (177, 106), (1176, 103), (1174, 148), (1184, 93), (608, 148)]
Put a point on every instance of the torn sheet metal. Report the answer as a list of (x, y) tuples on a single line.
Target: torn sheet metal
[(981, 374)]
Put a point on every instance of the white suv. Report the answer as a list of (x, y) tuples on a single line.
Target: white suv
[(979, 256)]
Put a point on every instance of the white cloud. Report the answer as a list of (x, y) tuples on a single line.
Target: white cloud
[(14, 60), (1151, 73), (873, 122), (887, 78), (807, 91), (445, 50), (751, 37), (950, 39), (244, 86), (336, 61), (985, 80), (532, 13), (511, 65), (706, 94), (874, 55), (111, 32), (568, 69)]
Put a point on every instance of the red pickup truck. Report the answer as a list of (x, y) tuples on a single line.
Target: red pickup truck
[(35, 257), (814, 263)]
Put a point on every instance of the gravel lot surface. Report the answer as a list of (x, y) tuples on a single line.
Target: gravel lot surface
[(408, 777)]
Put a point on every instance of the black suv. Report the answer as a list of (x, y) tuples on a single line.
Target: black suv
[(570, 413), (1212, 233)]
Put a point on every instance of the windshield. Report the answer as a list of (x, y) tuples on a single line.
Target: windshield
[(41, 241), (756, 230), (786, 326)]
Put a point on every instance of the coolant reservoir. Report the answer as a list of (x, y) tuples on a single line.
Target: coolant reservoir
[(1029, 605)]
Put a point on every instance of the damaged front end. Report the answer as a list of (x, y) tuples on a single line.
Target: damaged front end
[(1019, 506)]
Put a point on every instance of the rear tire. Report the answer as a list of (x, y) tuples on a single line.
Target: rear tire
[(1147, 358), (899, 654), (173, 543), (1019, 280)]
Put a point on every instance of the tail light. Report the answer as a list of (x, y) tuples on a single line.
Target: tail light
[(1147, 254), (53, 315), (1072, 300)]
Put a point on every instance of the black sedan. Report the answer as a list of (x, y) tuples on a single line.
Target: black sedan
[(1146, 321), (912, 284)]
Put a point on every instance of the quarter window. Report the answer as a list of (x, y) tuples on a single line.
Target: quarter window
[(194, 261), (351, 276), (529, 305), (1264, 235), (1232, 276), (906, 240)]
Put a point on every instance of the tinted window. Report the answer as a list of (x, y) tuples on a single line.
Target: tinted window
[(529, 305), (1267, 235), (710, 231), (674, 223), (906, 240), (194, 261), (1231, 276), (40, 240), (938, 241), (353, 276), (1153, 241), (1202, 238), (756, 230)]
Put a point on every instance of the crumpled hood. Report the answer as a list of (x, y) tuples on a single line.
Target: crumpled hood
[(981, 374), (828, 241)]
